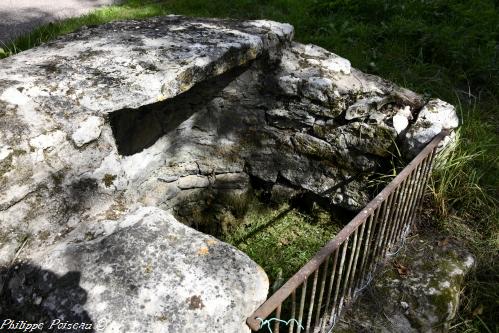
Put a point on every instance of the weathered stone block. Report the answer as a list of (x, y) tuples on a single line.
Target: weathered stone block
[(149, 273), (418, 293)]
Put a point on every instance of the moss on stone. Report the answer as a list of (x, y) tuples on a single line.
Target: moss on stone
[(43, 235), (446, 303), (108, 179), (430, 291)]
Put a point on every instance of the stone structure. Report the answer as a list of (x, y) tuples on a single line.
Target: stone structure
[(109, 122)]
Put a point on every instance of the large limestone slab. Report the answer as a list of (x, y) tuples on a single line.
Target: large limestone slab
[(51, 94), (133, 63), (146, 273)]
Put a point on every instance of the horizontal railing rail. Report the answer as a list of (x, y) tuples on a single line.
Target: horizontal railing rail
[(313, 298)]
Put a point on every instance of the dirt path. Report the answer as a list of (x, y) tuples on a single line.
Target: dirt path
[(20, 16)]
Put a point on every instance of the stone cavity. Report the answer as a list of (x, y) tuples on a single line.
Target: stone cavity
[(166, 114)]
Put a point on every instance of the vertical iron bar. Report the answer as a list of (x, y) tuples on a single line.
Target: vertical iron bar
[(302, 305), (423, 170), (330, 288), (363, 253), (370, 232), (354, 267), (426, 177), (321, 292), (293, 311), (277, 316), (381, 228), (403, 207), (412, 199), (390, 221), (312, 300), (404, 193), (338, 281), (398, 235), (376, 235), (386, 221), (349, 269)]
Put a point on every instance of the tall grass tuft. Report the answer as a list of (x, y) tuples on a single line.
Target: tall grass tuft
[(464, 204), (456, 186)]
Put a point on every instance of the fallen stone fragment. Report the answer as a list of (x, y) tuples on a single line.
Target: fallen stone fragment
[(88, 131), (419, 292)]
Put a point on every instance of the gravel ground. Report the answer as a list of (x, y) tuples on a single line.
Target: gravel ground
[(21, 16)]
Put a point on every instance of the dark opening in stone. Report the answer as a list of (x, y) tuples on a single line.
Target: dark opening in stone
[(138, 129), (279, 227)]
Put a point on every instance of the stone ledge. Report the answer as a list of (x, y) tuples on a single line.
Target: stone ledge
[(145, 273)]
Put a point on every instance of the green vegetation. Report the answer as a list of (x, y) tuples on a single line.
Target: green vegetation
[(443, 48), (281, 240)]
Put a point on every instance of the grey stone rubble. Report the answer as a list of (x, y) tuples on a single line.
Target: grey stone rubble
[(167, 114), (420, 294)]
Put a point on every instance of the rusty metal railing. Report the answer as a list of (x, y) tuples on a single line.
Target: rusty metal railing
[(313, 298)]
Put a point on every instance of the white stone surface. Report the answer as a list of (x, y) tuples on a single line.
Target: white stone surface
[(88, 131), (150, 274)]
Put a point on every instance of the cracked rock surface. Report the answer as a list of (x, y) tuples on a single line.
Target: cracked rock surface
[(166, 114), (420, 293), (146, 272)]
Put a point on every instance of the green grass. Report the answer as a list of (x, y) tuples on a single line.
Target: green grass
[(281, 240), (279, 237), (466, 209), (443, 48)]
